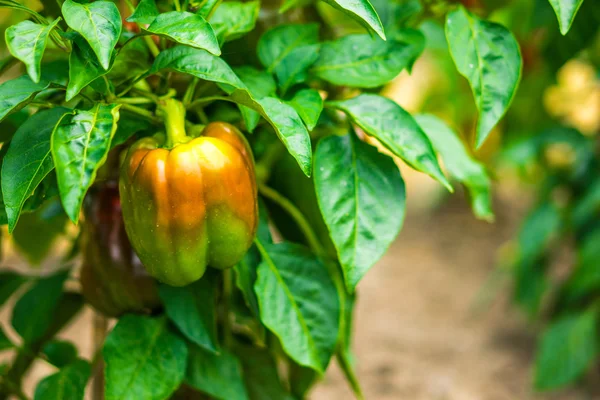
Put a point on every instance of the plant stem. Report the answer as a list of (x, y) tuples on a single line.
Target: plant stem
[(133, 100), (227, 291), (189, 92), (98, 336), (173, 113), (177, 5)]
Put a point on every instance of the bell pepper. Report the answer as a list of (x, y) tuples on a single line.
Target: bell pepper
[(189, 203), (112, 277)]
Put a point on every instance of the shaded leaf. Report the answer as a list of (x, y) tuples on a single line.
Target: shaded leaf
[(233, 19), (16, 93), (60, 353), (488, 55), (395, 129), (9, 283), (68, 383), (27, 42), (5, 342), (84, 68), (186, 28), (143, 359), (261, 84), (98, 22), (309, 104), (298, 303), (260, 374), (145, 12), (80, 144), (460, 164), (362, 198), (25, 166)]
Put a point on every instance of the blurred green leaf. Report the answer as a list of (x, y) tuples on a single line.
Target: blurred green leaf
[(9, 283), (143, 359), (186, 28), (145, 12), (25, 166), (261, 375), (298, 303), (68, 383), (31, 317), (192, 309), (362, 198), (566, 350), (487, 55), (5, 342), (233, 19), (220, 375), (460, 164), (27, 42), (365, 62), (309, 104), (80, 144), (98, 22), (60, 353), (16, 93), (395, 129)]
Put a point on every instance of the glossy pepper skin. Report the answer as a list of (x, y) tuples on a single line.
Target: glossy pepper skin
[(192, 204), (112, 277)]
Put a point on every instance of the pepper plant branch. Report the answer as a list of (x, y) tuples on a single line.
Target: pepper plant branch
[(227, 292)]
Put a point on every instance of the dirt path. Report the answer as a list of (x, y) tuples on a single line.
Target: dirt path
[(418, 335)]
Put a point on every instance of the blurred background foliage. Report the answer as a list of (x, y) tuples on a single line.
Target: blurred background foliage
[(545, 149)]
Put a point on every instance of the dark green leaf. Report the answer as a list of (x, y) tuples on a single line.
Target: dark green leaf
[(98, 22), (143, 359), (537, 231), (566, 351), (9, 283), (293, 69), (60, 353), (16, 93), (220, 376), (206, 7), (460, 164), (487, 55), (84, 68), (395, 129), (25, 166), (278, 43), (309, 104), (132, 60), (233, 19), (129, 125), (565, 12), (68, 383), (31, 317), (186, 28), (362, 198), (395, 14), (192, 310), (27, 42), (144, 13), (362, 11), (260, 374), (364, 61), (5, 342), (261, 84), (80, 144), (298, 303), (585, 279)]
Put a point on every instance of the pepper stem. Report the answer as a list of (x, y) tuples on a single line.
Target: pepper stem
[(173, 113)]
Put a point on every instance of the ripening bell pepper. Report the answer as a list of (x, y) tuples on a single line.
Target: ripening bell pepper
[(189, 203), (113, 280)]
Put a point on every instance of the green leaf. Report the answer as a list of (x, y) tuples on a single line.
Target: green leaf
[(260, 374), (366, 62), (585, 279), (298, 303), (261, 84), (27, 42), (98, 22), (309, 104), (220, 376), (288, 50), (144, 13), (25, 166), (362, 198), (192, 310), (198, 63), (16, 93), (5, 342), (143, 359), (345, 357), (362, 11), (488, 55), (80, 144), (32, 317), (567, 349), (206, 7), (565, 12), (395, 129), (9, 283), (186, 28), (84, 67), (233, 19), (537, 231), (395, 14), (132, 60), (287, 124), (460, 164), (68, 383), (60, 353)]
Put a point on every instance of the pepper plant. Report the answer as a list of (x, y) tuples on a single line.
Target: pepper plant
[(229, 172)]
